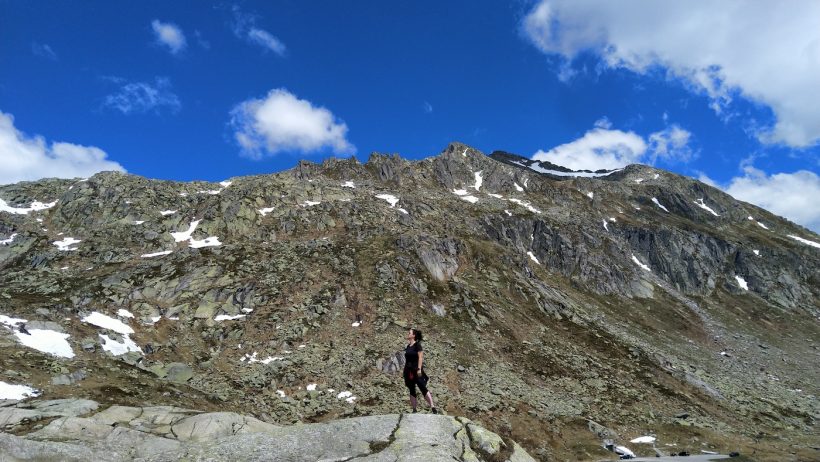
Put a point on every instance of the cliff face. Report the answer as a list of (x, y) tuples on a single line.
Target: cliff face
[(548, 298)]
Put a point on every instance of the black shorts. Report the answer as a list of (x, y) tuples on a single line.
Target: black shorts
[(412, 379)]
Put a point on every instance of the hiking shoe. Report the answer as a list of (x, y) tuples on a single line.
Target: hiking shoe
[(414, 411), (435, 410)]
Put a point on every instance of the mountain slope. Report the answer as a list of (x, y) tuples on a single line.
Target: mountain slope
[(547, 301)]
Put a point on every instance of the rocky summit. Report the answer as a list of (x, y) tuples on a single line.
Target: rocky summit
[(563, 312)]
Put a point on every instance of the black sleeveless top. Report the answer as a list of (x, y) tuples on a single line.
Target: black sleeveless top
[(411, 356)]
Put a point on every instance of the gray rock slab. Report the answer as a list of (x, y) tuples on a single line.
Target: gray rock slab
[(117, 414), (15, 448), (13, 415), (65, 407), (213, 425)]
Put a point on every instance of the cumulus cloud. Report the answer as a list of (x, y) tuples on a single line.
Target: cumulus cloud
[(607, 148), (599, 148), (720, 48), (244, 27), (27, 158), (170, 35), (282, 122), (792, 195), (142, 97), (428, 108), (43, 50), (671, 145)]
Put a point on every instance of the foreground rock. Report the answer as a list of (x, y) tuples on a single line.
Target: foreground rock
[(166, 433)]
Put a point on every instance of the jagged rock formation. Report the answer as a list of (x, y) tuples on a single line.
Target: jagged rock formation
[(166, 433), (630, 298)]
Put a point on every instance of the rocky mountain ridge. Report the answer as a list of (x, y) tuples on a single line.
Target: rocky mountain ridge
[(638, 300)]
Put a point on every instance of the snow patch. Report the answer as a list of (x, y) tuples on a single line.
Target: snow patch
[(391, 199), (156, 254), (227, 317), (526, 205), (700, 203), (591, 195), (532, 257), (470, 199), (182, 236), (638, 180), (741, 282), (757, 252), (517, 187), (16, 392), (139, 222), (35, 206), (118, 348), (805, 241), (638, 262), (251, 358), (460, 192), (478, 180), (655, 200), (605, 226), (225, 183), (349, 184), (403, 211), (123, 313), (464, 154), (643, 439), (8, 241), (106, 322), (65, 244), (497, 196), (356, 324), (311, 387), (624, 451), (310, 203), (167, 212), (509, 214), (762, 225), (266, 210)]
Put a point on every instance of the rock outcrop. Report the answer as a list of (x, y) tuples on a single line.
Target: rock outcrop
[(166, 433)]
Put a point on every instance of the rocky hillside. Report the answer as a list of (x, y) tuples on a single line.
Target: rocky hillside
[(559, 308)]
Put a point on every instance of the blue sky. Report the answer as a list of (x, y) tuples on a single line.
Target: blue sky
[(196, 90)]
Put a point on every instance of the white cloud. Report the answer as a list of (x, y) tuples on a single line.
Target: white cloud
[(30, 158), (598, 148), (765, 53), (142, 97), (670, 144), (282, 122), (428, 108), (43, 50), (267, 40), (792, 195), (605, 148), (244, 27), (170, 35)]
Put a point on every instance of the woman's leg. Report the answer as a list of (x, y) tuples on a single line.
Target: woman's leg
[(422, 383), (411, 387)]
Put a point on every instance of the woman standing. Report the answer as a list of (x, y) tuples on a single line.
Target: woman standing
[(414, 369)]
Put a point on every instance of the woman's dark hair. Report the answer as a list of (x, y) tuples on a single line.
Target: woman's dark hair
[(417, 335)]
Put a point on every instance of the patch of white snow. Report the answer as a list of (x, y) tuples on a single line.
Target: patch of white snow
[(591, 195), (478, 180), (118, 348), (310, 203), (16, 392), (266, 210), (8, 240), (517, 187), (497, 196), (227, 317), (655, 200), (700, 203), (470, 199), (34, 207), (526, 205), (65, 244), (638, 262), (156, 254), (805, 241), (167, 212), (742, 282), (643, 439), (349, 184), (532, 257), (123, 313), (762, 225), (106, 322), (311, 387), (391, 199)]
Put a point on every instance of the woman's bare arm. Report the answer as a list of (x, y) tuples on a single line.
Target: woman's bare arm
[(421, 358)]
